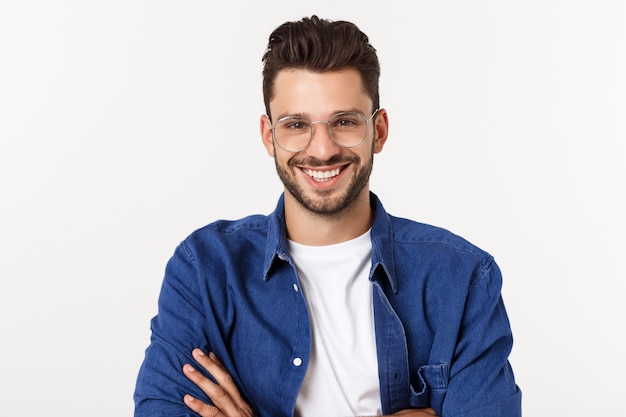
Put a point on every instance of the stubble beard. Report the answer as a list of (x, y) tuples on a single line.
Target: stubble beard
[(322, 202)]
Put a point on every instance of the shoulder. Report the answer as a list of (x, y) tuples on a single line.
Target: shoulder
[(410, 235), (223, 236), (437, 252), (411, 232), (250, 223)]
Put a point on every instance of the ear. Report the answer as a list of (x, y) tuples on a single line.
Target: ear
[(267, 134), (381, 129)]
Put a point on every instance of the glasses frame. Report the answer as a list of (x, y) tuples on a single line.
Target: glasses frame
[(330, 133)]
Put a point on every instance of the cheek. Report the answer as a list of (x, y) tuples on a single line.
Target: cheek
[(281, 159), (367, 154)]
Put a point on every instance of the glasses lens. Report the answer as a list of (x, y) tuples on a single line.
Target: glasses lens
[(292, 133), (348, 129)]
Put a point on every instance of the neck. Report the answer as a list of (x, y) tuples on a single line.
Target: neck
[(309, 228)]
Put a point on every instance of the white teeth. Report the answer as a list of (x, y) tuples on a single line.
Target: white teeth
[(322, 175)]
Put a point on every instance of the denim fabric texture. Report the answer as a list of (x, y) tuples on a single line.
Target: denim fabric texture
[(442, 333)]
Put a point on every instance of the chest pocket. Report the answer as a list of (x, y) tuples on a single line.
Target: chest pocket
[(429, 386)]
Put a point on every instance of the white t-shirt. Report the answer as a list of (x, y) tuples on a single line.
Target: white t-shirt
[(342, 377)]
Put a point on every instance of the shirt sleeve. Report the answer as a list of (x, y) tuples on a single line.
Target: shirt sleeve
[(481, 379), (176, 330)]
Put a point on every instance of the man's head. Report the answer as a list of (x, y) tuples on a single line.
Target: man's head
[(320, 45), (322, 122)]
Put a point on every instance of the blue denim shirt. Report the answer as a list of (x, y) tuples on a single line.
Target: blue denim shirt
[(442, 333)]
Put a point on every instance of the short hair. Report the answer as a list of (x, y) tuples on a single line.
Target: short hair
[(320, 45)]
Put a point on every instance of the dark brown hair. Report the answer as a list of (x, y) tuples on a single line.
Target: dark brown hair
[(320, 45)]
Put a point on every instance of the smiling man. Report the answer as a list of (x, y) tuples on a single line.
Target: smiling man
[(329, 306)]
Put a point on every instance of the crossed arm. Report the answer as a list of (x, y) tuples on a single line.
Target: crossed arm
[(226, 397)]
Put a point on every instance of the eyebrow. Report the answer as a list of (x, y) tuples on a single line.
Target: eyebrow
[(304, 116)]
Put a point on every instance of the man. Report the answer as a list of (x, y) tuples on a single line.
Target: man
[(329, 306)]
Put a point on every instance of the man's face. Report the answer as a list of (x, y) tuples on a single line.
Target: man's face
[(324, 178)]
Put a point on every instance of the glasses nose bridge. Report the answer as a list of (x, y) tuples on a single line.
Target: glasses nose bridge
[(328, 129)]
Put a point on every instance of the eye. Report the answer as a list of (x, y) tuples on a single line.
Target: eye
[(294, 125), (346, 121)]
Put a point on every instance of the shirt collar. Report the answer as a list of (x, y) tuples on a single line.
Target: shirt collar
[(383, 258), (383, 265), (276, 248)]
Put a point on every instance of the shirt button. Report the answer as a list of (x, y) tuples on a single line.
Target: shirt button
[(297, 361), (295, 287)]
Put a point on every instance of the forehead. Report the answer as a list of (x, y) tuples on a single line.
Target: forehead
[(298, 91)]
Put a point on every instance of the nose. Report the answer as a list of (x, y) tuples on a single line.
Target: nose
[(322, 146)]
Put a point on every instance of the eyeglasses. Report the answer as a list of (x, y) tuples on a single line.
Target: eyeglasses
[(346, 129)]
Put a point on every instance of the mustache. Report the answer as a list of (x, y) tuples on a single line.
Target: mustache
[(315, 162)]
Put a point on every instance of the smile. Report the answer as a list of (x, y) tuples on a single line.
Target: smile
[(322, 176)]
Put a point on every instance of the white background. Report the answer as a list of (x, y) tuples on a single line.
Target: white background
[(126, 124)]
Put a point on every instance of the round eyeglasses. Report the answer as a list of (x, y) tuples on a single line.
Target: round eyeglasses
[(346, 129)]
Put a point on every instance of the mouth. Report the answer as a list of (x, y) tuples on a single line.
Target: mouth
[(322, 176)]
